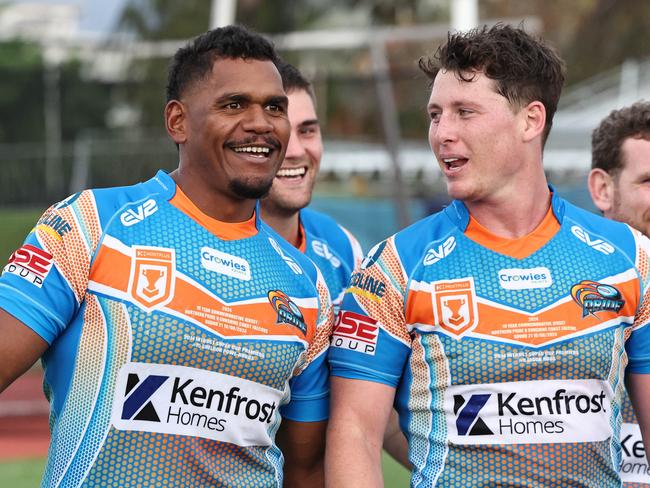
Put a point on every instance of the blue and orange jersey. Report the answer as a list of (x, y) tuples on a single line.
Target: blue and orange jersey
[(177, 342), (508, 356), (334, 250)]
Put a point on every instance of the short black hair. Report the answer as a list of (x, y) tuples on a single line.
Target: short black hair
[(607, 139), (524, 68), (293, 79), (194, 61)]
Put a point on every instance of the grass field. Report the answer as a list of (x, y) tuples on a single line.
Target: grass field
[(16, 223), (27, 473)]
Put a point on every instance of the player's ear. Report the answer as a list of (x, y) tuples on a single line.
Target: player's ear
[(175, 121), (534, 120), (601, 188)]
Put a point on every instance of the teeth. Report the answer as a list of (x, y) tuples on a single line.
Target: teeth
[(291, 172), (450, 160), (253, 149)]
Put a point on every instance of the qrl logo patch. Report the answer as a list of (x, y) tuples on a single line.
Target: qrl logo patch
[(152, 276), (454, 305)]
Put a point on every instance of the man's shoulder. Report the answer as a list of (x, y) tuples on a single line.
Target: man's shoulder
[(288, 252)]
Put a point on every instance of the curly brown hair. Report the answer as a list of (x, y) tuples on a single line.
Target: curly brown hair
[(608, 138), (524, 68)]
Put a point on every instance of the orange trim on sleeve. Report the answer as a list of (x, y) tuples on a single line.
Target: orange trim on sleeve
[(516, 248), (227, 231)]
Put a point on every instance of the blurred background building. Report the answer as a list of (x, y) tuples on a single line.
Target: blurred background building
[(82, 88)]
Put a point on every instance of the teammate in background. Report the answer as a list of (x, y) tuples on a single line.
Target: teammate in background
[(334, 250), (619, 184), (501, 334), (173, 324)]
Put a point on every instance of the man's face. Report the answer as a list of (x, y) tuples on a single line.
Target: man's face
[(474, 134), (237, 127), (294, 182), (631, 197)]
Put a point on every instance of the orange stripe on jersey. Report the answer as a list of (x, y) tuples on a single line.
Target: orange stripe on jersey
[(516, 248), (223, 230), (113, 270), (563, 319)]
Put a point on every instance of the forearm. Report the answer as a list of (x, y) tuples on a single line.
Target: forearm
[(351, 459)]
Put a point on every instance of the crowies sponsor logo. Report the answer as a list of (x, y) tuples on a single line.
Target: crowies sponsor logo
[(138, 213), (373, 255), (355, 332), (365, 285), (322, 249), (30, 263), (529, 412), (596, 297), (524, 279), (224, 263), (634, 465), (194, 402), (441, 251), (287, 312), (287, 259)]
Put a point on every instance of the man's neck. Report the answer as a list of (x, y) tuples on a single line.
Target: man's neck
[(212, 201), (513, 216), (287, 226)]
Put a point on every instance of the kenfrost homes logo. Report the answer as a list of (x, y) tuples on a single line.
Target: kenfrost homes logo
[(439, 252), (224, 263), (194, 402), (138, 213), (529, 412), (596, 297), (634, 465), (525, 279)]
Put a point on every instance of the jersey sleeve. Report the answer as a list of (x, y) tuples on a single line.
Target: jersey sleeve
[(45, 280), (310, 388), (370, 339), (638, 344)]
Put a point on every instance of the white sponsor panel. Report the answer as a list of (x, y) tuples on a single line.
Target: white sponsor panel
[(634, 465), (529, 412), (194, 402), (224, 263), (525, 279)]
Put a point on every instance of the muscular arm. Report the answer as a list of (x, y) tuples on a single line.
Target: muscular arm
[(395, 442), (359, 413), (303, 447), (638, 386), (20, 347)]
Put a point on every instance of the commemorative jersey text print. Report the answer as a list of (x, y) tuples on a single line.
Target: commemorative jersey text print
[(512, 366), (174, 353)]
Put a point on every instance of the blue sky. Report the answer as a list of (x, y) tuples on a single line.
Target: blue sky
[(97, 16)]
